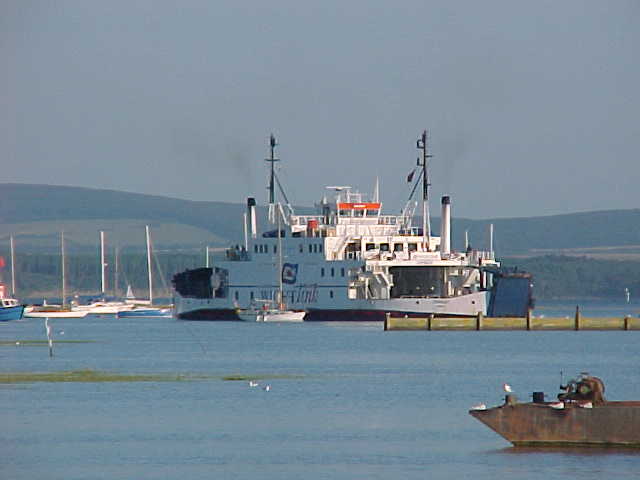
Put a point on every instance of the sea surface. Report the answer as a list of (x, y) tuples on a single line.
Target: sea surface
[(346, 400)]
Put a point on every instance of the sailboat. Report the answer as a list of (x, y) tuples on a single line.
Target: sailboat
[(104, 306), (57, 311), (10, 309), (267, 310), (146, 309)]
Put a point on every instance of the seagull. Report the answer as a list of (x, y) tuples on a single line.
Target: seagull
[(507, 388), (267, 388), (253, 384)]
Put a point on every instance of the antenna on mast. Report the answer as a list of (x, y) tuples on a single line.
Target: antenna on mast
[(272, 177), (422, 144)]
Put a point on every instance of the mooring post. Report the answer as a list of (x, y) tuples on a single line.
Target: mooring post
[(577, 321), (528, 319), (386, 321), (429, 319), (626, 322), (479, 321)]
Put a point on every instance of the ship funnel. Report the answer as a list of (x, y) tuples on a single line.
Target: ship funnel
[(445, 226), (251, 213)]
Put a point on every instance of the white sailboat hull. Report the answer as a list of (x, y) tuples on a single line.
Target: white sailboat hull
[(271, 316)]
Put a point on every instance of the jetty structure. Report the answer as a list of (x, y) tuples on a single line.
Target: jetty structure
[(349, 261)]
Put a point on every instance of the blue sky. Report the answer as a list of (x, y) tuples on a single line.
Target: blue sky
[(532, 106)]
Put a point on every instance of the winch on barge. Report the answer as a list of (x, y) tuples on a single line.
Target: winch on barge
[(350, 262)]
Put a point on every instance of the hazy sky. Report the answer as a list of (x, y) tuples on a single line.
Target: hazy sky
[(533, 107)]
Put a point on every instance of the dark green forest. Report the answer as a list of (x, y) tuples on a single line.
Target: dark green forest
[(579, 277)]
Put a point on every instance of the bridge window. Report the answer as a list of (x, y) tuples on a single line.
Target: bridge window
[(398, 247), (332, 272), (310, 248), (413, 247), (384, 247), (320, 248), (342, 272), (255, 248), (322, 272), (370, 246)]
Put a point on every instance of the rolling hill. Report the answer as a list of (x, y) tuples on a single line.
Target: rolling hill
[(35, 214)]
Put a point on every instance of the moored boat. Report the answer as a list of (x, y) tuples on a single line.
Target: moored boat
[(265, 311), (55, 311), (581, 416), (10, 309), (145, 311)]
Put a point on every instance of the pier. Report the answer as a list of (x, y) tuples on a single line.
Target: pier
[(530, 322)]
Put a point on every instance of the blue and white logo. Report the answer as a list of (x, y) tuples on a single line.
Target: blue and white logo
[(289, 273)]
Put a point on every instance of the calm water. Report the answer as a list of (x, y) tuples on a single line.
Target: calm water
[(369, 404)]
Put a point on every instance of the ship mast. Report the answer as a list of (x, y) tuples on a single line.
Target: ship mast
[(272, 177), (422, 144)]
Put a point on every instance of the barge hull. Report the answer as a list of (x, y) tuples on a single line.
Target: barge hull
[(613, 424)]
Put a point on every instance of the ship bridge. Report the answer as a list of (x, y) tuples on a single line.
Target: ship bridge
[(348, 214)]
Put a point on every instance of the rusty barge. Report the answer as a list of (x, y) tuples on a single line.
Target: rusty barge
[(581, 417)]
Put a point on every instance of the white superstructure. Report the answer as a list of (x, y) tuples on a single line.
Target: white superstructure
[(347, 262)]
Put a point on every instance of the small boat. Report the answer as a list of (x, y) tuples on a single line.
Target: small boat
[(145, 311), (579, 417), (10, 309), (54, 311), (57, 311), (265, 311), (104, 307)]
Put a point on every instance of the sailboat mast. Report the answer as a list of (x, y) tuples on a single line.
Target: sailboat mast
[(115, 280), (103, 286), (149, 265), (64, 286), (280, 287), (13, 268), (422, 144)]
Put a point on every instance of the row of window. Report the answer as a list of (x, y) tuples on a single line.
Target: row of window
[(333, 272), (263, 248), (397, 247)]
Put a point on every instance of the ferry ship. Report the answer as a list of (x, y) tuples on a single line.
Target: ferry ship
[(350, 262)]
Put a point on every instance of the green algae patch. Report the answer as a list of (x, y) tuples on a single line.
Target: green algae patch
[(89, 376), (247, 378), (95, 376), (38, 343)]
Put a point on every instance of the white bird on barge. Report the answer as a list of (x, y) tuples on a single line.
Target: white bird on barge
[(347, 262)]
